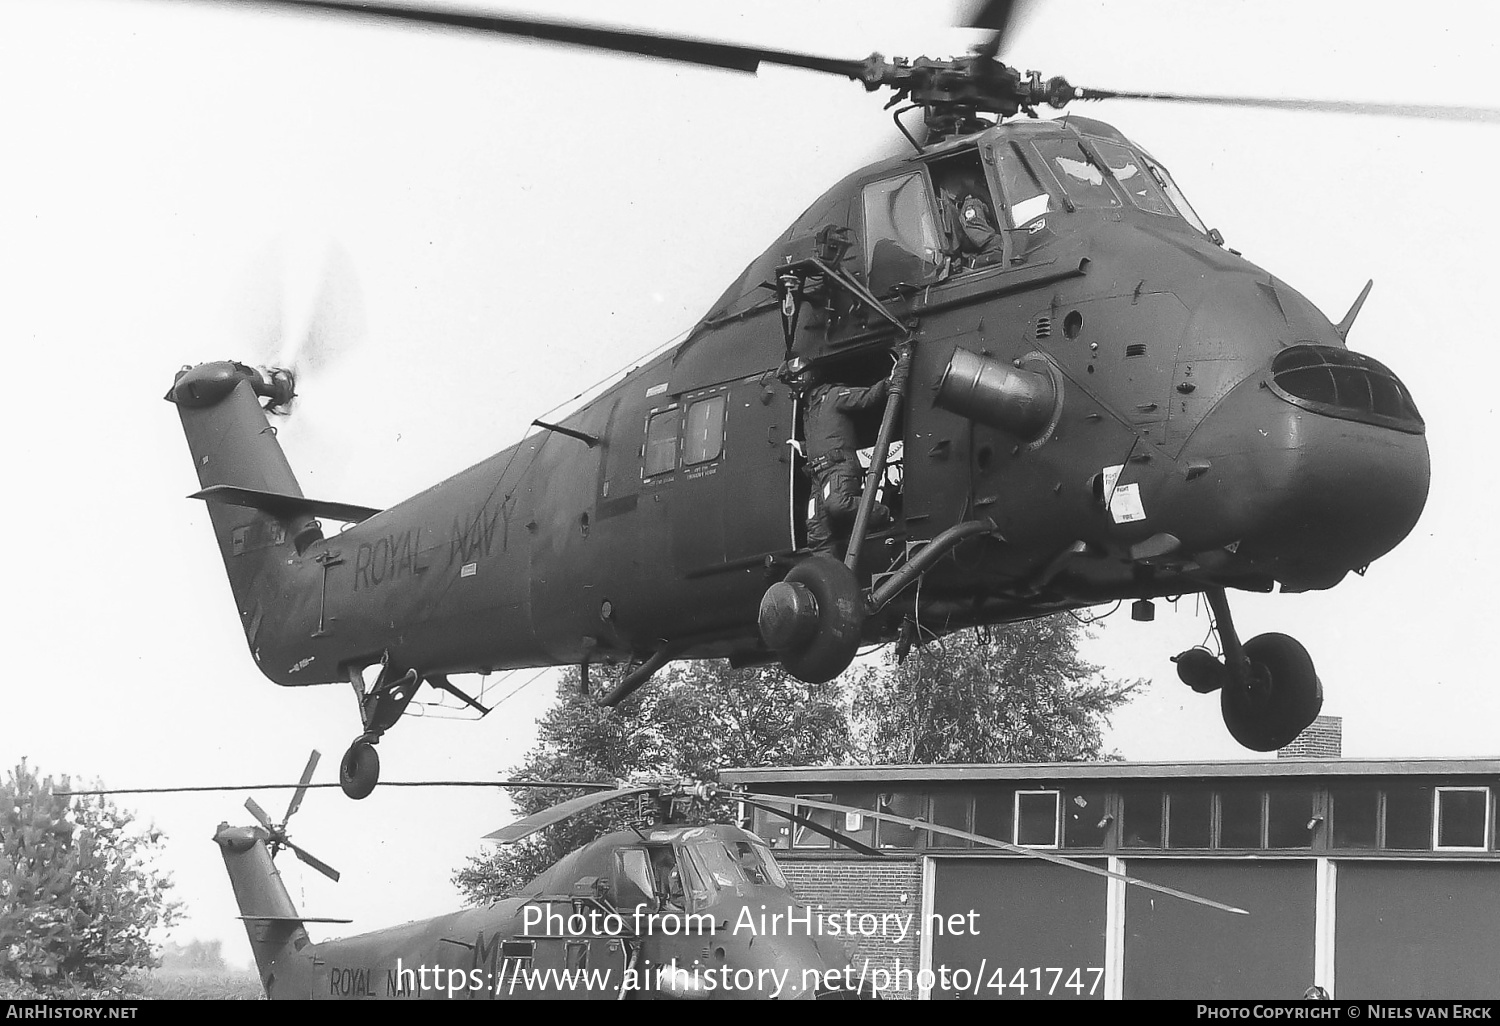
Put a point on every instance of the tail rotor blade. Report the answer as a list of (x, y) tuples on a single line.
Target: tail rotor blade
[(260, 816), (301, 792), (314, 861)]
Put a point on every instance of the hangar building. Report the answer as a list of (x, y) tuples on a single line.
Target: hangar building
[(1371, 878)]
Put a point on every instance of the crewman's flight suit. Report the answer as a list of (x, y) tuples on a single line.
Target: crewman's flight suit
[(838, 478)]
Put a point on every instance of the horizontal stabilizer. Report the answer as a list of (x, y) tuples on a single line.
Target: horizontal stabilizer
[(283, 506), (292, 919)]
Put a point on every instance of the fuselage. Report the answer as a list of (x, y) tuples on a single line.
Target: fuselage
[(1210, 429), (666, 912)]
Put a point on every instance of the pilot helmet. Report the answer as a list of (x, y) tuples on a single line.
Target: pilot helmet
[(798, 373)]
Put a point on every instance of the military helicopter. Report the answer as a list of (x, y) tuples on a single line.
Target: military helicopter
[(666, 908), (1107, 404)]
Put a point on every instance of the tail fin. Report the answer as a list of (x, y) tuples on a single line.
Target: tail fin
[(234, 446), (271, 921)]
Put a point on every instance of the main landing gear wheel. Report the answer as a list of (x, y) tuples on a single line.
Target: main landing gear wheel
[(359, 771), (1282, 696), (813, 619)]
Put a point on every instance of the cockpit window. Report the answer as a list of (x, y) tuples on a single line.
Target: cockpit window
[(1175, 194), (901, 236), (714, 864), (757, 863), (1130, 171), (1342, 384), (1082, 180), (1026, 199)]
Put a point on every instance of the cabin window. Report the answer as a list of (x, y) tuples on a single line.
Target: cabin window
[(1131, 174), (901, 236), (1082, 180), (1036, 818), (703, 438), (661, 443), (634, 885), (1462, 819)]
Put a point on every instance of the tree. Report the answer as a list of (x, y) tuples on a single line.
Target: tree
[(1017, 693), (194, 955), (694, 720), (79, 896)]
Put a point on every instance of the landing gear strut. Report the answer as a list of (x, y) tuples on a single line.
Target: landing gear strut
[(379, 709), (1269, 691)]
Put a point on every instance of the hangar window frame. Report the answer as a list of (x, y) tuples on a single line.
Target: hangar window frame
[(1437, 817), (964, 798), (820, 843), (1056, 796)]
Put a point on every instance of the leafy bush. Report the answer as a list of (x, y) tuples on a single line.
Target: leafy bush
[(79, 896)]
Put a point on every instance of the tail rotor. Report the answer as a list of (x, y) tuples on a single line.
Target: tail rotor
[(278, 837)]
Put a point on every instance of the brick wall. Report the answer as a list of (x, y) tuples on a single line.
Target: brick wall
[(864, 886), (1323, 739)]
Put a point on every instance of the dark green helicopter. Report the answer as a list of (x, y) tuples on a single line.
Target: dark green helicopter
[(667, 907), (1101, 402)]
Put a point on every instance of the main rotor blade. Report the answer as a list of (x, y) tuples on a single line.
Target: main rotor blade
[(1000, 16), (817, 828), (727, 56), (314, 861), (297, 795), (1045, 856), (523, 828), (1436, 112), (260, 815)]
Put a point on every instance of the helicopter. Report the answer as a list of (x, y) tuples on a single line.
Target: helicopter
[(673, 906), (1114, 405)]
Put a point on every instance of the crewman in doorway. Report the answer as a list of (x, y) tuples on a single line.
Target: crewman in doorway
[(831, 451)]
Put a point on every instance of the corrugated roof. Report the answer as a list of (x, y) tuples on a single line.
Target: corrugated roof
[(1108, 771)]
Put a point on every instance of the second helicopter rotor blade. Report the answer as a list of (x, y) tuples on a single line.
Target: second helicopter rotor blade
[(726, 56), (312, 860), (1017, 849), (524, 828), (301, 792), (260, 815), (1432, 112)]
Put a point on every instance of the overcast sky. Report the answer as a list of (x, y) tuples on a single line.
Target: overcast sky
[(509, 223)]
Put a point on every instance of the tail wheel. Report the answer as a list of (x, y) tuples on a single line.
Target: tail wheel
[(360, 770), (1282, 697), (813, 619)]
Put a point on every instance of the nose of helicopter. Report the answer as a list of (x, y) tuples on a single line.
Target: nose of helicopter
[(1318, 467)]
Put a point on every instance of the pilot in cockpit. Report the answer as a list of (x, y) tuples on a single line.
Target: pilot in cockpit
[(971, 221)]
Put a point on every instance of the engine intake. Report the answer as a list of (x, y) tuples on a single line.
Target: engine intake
[(1012, 399)]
